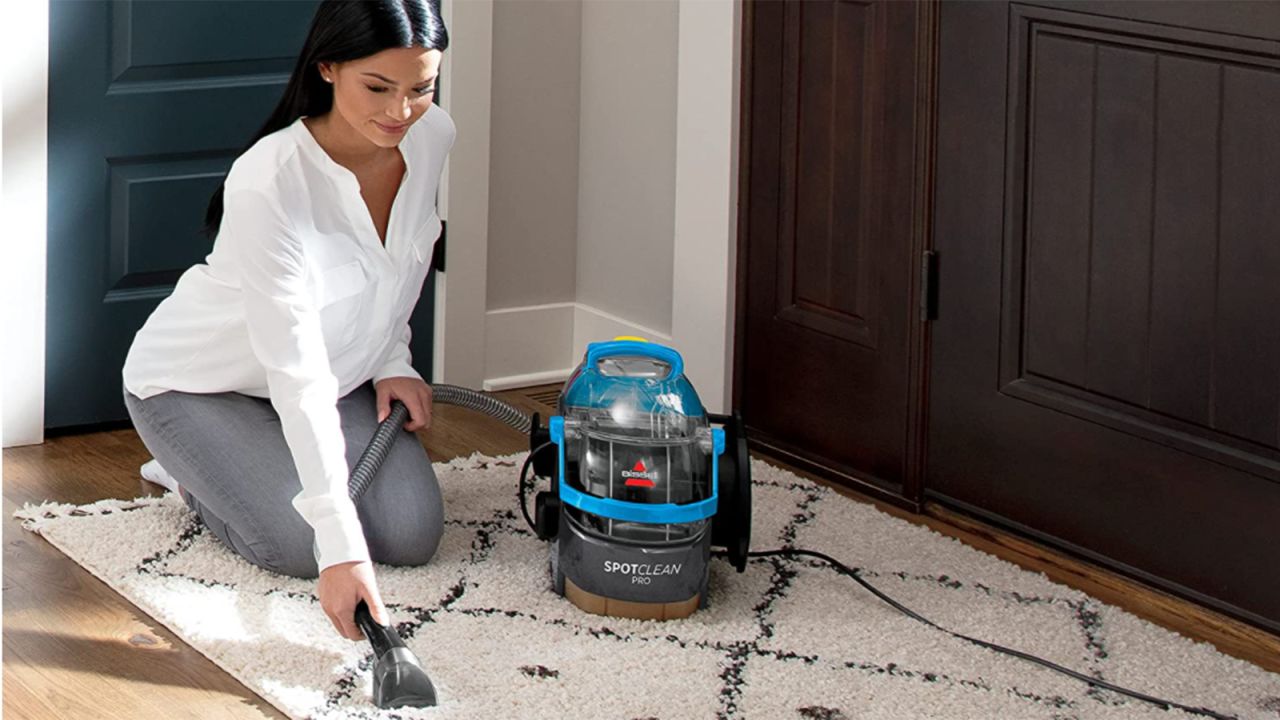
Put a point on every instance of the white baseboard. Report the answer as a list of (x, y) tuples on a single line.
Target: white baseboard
[(540, 344), (523, 381), (592, 325), (527, 345)]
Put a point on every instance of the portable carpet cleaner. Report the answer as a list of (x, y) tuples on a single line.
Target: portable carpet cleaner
[(643, 485)]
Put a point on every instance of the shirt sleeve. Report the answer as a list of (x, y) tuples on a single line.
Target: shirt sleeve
[(399, 362), (285, 333)]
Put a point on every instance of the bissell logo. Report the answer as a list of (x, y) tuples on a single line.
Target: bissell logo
[(639, 476)]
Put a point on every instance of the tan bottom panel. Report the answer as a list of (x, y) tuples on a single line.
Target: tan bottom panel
[(600, 605)]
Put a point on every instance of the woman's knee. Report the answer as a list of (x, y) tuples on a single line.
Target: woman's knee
[(290, 556), (408, 531), (295, 558), (411, 549)]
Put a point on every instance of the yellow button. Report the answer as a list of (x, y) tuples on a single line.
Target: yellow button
[(631, 337)]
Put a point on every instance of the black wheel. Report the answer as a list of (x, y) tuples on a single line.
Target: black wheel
[(731, 527)]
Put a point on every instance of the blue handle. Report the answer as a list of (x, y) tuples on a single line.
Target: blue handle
[(618, 348), (657, 514)]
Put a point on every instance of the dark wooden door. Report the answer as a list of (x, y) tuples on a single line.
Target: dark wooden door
[(832, 189), (149, 103), (1106, 363)]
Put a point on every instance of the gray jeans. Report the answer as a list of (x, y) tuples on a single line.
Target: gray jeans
[(230, 458)]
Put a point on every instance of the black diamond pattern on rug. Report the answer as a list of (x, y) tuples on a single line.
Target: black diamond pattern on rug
[(788, 638)]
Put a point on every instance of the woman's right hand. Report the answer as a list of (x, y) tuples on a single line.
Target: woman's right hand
[(341, 588)]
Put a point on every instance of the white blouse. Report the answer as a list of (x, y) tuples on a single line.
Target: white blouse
[(299, 302)]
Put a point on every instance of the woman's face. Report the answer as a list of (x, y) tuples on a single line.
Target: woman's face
[(380, 96)]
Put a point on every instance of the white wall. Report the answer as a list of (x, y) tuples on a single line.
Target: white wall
[(533, 187), (656, 168), (533, 153), (627, 159), (24, 102), (611, 184)]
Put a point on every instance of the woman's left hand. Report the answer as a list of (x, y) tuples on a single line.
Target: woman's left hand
[(414, 393)]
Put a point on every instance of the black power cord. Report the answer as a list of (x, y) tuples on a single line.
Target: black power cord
[(524, 504), (842, 568)]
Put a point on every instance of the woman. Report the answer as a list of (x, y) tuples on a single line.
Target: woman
[(257, 383)]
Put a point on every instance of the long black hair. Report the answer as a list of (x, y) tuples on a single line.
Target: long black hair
[(343, 30)]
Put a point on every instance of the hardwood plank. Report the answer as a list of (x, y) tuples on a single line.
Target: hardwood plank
[(72, 646)]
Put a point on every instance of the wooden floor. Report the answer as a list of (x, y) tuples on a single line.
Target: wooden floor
[(73, 648)]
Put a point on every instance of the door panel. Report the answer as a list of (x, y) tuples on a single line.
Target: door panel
[(1145, 179), (825, 350), (149, 103), (1103, 374), (824, 258)]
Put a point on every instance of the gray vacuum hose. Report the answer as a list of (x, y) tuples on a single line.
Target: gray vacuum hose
[(373, 455), (398, 677), (482, 402)]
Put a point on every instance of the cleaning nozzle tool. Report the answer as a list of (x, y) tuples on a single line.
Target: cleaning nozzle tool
[(398, 677)]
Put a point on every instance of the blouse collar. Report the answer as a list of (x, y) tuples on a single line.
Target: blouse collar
[(312, 147)]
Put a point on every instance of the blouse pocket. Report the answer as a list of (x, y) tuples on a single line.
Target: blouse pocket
[(418, 265), (425, 239), (341, 294)]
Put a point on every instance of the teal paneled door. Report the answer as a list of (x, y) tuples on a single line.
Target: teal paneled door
[(149, 104)]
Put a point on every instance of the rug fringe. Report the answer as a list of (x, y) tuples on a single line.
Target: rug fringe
[(35, 516)]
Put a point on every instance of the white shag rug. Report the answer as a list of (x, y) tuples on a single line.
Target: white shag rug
[(786, 639)]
